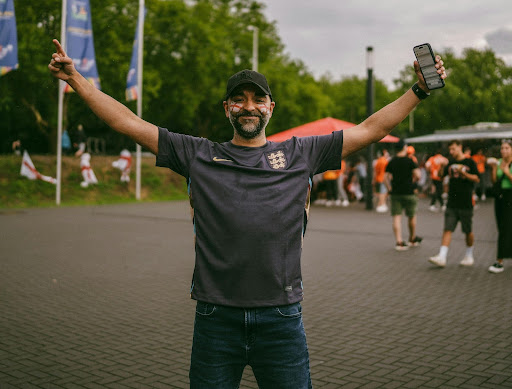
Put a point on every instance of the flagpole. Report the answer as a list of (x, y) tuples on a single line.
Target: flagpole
[(255, 33), (140, 52), (60, 112)]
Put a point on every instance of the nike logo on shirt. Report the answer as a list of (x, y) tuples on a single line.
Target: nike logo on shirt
[(217, 159)]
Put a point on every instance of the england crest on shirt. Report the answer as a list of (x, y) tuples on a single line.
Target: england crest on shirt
[(276, 159)]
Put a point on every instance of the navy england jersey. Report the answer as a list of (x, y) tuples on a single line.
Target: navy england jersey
[(250, 208)]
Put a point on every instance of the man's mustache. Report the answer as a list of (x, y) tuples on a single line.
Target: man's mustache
[(247, 113)]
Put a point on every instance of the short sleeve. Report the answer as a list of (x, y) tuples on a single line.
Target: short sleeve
[(389, 167), (473, 169), (177, 151), (322, 152)]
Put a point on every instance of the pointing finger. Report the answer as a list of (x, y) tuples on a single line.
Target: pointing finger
[(59, 48)]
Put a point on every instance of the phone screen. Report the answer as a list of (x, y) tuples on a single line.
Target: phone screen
[(427, 63)]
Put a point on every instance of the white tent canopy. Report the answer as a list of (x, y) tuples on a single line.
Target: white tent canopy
[(487, 130)]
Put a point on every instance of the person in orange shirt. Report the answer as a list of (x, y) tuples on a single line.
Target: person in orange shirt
[(434, 166), (379, 181), (410, 153), (480, 161)]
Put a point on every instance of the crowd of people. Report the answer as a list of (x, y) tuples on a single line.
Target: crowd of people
[(455, 183)]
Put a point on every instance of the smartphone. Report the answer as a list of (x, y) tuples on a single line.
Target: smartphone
[(426, 59)]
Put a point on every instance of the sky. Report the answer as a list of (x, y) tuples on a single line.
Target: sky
[(331, 36)]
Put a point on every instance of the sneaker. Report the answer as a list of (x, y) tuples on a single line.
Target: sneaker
[(401, 246), (443, 208), (329, 203), (337, 203), (496, 268), (382, 209), (438, 260), (416, 241), (483, 198), (467, 261), (433, 208), (345, 203)]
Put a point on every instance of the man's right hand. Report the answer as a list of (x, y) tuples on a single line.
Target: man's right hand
[(112, 112), (61, 66)]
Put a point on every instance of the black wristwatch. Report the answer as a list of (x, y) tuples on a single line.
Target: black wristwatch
[(420, 93)]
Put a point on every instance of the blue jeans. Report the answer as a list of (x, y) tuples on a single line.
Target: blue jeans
[(271, 340)]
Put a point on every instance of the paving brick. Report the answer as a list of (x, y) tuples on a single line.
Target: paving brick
[(106, 305)]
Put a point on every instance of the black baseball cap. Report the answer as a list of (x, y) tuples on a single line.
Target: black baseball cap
[(247, 76)]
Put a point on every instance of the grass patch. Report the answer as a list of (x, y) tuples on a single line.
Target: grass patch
[(157, 184)]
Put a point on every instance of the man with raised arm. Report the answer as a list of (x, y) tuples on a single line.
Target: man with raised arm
[(250, 200)]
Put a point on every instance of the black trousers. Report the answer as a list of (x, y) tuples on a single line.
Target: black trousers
[(503, 212), (331, 187)]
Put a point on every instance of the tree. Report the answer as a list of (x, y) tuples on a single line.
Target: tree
[(478, 89), (349, 97), (26, 99), (29, 95), (191, 48)]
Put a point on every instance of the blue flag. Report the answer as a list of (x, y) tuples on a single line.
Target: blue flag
[(8, 37), (79, 40), (132, 87)]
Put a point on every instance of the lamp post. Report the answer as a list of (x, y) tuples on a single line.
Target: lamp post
[(255, 31), (369, 112)]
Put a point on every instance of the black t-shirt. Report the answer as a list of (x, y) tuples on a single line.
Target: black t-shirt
[(250, 208), (460, 190), (401, 168)]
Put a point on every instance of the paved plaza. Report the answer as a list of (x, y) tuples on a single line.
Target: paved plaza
[(98, 297)]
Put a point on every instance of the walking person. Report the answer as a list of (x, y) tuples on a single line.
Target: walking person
[(380, 181), (502, 179), (330, 179), (435, 165), (80, 140), (342, 193), (361, 176), (250, 200), (480, 161), (353, 186), (401, 174), (463, 174)]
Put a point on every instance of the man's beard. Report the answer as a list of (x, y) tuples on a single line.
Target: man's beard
[(249, 130)]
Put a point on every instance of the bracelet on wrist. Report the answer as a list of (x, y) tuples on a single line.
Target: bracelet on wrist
[(420, 93)]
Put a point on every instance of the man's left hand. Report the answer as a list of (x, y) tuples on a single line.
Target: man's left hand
[(440, 70)]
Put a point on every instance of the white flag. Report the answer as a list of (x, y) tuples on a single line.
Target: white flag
[(28, 170), (87, 172)]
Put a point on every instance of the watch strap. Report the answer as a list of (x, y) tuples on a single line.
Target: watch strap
[(420, 93)]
